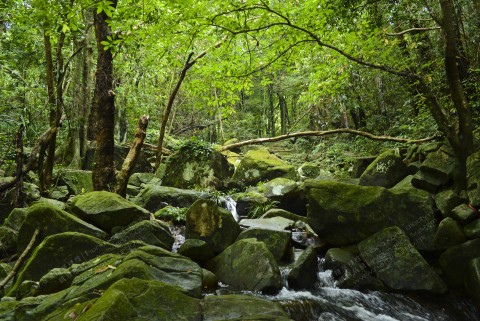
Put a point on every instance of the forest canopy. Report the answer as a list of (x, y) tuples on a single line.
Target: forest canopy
[(75, 72)]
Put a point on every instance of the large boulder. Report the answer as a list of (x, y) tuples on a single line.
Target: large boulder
[(215, 225), (236, 307), (277, 241), (195, 165), (303, 274), (136, 299), (154, 197), (152, 232), (7, 198), (454, 261), (76, 181), (247, 265), (386, 170), (107, 210), (52, 220), (277, 223), (8, 241), (447, 200), (289, 194), (259, 165), (345, 214), (473, 178), (397, 263), (449, 234), (197, 250), (61, 250)]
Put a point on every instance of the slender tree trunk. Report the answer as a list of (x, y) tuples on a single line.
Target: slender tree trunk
[(463, 143), (20, 197), (282, 102), (103, 107), (130, 160), (84, 124)]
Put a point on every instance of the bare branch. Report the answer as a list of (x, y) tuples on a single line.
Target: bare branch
[(327, 133), (412, 30)]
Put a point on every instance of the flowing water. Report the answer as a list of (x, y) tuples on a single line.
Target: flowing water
[(230, 205)]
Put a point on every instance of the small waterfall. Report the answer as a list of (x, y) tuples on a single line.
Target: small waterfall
[(230, 205)]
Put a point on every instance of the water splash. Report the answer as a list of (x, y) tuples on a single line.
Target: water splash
[(230, 205)]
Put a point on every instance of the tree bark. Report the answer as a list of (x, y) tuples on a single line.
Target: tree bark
[(130, 160), (462, 143), (84, 124), (20, 194), (271, 114), (103, 107)]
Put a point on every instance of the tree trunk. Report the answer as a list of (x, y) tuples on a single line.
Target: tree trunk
[(462, 143), (20, 194), (103, 107), (282, 103), (271, 114), (84, 124), (130, 160)]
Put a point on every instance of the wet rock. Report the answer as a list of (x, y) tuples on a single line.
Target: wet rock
[(151, 232), (303, 274), (154, 197), (454, 261), (246, 202), (449, 234), (386, 170), (135, 299), (197, 250), (107, 210), (247, 265), (344, 214), (241, 307), (209, 280), (260, 166), (278, 242), (52, 220), (397, 263), (472, 280), (215, 225)]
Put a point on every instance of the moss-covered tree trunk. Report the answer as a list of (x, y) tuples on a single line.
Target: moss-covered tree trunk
[(103, 107)]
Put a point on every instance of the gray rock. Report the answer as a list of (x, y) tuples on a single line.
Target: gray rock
[(386, 170), (247, 265), (274, 223), (472, 230), (278, 242), (397, 263), (454, 261), (447, 200), (303, 274), (287, 193), (464, 213), (197, 250), (151, 232)]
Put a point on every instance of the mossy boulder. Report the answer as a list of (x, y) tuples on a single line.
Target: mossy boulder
[(15, 218), (436, 171), (152, 232), (472, 280), (289, 194), (397, 263), (238, 307), (473, 179), (57, 279), (77, 181), (386, 170), (309, 170), (7, 198), (449, 234), (197, 250), (454, 261), (246, 202), (447, 200), (61, 251), (274, 212), (277, 223), (52, 220), (472, 230), (215, 225), (260, 166), (107, 210), (247, 265), (303, 274), (172, 214), (142, 164), (136, 299), (464, 213), (193, 168), (139, 179), (154, 197), (344, 214), (278, 242)]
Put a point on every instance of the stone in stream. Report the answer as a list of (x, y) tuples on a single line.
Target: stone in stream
[(289, 194), (303, 274), (277, 223), (152, 232), (247, 265), (472, 279), (397, 263), (449, 234), (386, 170), (107, 210), (211, 223), (278, 242), (197, 250), (345, 214)]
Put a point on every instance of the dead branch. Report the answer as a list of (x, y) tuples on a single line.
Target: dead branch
[(327, 133), (20, 260)]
